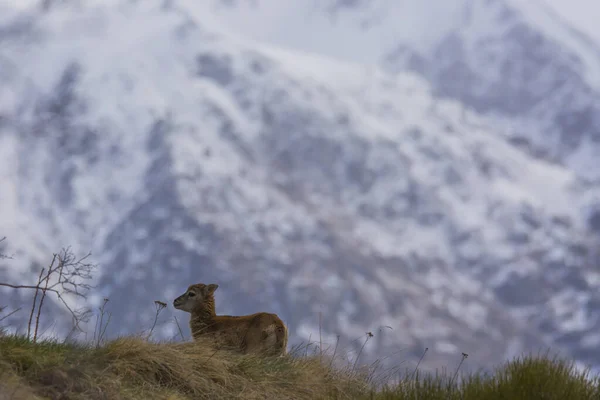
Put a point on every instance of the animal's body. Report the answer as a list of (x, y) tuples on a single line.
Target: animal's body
[(262, 333)]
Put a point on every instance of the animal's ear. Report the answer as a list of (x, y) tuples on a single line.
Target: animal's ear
[(210, 289)]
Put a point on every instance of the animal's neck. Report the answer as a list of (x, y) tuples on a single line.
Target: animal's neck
[(205, 313)]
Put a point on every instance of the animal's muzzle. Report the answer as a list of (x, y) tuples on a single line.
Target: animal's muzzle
[(177, 302)]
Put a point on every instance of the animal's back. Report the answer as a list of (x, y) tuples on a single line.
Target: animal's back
[(266, 334)]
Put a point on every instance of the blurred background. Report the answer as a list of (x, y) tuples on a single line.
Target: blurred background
[(421, 171)]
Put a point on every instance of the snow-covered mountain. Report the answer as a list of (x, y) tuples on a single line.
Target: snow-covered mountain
[(303, 185), (535, 77), (522, 67), (526, 69)]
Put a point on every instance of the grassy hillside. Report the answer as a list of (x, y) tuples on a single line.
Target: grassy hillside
[(133, 368), (136, 368)]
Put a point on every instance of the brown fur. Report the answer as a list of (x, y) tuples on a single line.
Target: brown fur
[(257, 333)]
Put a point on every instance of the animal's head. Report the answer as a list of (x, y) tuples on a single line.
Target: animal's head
[(195, 296)]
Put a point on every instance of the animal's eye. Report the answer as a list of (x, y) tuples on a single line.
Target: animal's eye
[(191, 294)]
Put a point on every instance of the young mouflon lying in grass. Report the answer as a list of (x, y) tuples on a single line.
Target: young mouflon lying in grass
[(262, 333)]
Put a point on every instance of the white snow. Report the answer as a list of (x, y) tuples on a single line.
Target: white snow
[(541, 16), (307, 26), (138, 66)]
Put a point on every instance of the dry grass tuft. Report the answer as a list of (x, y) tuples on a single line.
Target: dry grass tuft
[(133, 368)]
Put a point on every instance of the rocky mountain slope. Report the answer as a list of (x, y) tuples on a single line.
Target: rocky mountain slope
[(535, 78), (526, 70), (529, 74), (178, 152)]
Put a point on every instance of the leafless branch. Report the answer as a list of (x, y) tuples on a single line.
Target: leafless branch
[(4, 256), (101, 329), (9, 314), (66, 275), (39, 312), (179, 328), (368, 336), (159, 307), (34, 301)]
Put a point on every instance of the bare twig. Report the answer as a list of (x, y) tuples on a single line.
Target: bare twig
[(95, 329), (53, 324), (369, 335), (159, 307), (419, 363), (65, 275), (103, 333), (39, 311), (34, 302), (179, 327), (4, 256), (307, 345), (386, 375), (337, 342), (70, 334), (35, 287), (464, 356), (99, 328), (320, 339), (9, 314)]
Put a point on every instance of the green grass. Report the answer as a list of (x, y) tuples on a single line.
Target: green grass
[(133, 368)]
